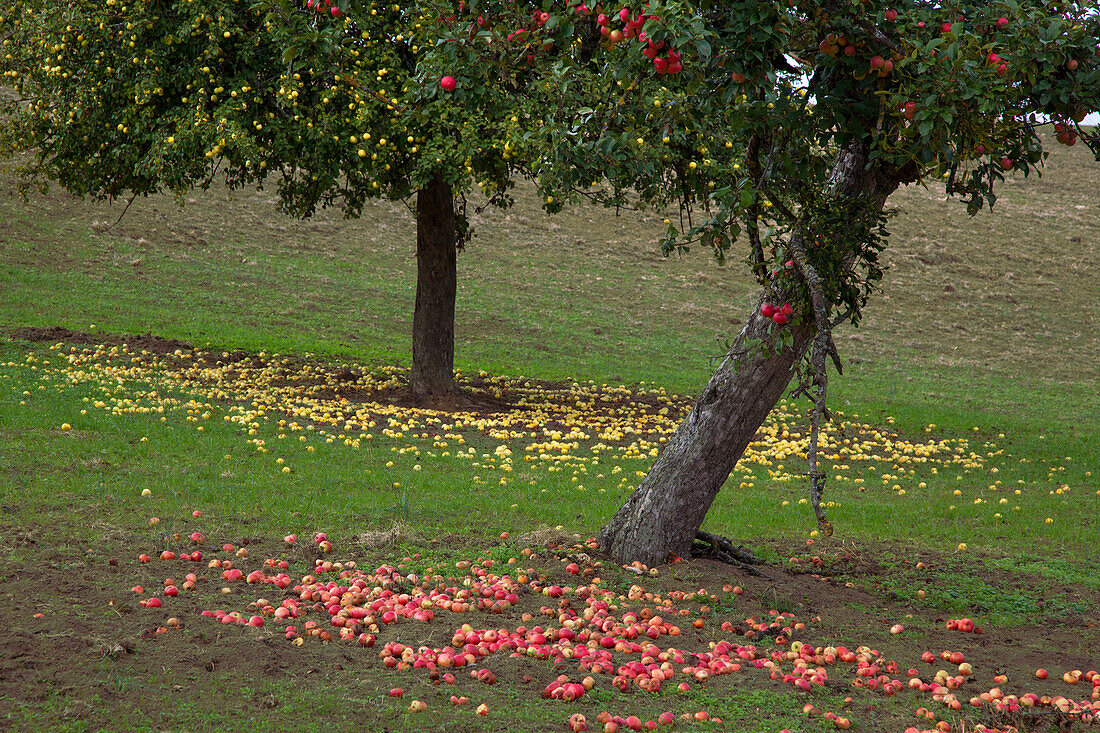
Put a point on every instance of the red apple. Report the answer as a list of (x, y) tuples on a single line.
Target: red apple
[(449, 84)]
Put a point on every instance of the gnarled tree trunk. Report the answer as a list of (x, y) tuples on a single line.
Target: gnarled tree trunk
[(433, 346), (663, 514)]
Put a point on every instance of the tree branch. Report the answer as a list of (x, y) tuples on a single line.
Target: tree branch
[(752, 220), (822, 342)]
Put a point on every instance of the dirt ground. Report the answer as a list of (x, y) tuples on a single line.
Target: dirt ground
[(77, 649)]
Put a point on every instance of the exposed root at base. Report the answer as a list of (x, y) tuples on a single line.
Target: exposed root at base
[(717, 547)]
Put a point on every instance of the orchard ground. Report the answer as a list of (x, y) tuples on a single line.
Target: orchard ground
[(270, 401)]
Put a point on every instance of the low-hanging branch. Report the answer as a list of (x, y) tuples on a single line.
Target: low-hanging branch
[(821, 346)]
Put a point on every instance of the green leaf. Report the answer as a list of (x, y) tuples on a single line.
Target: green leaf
[(291, 53)]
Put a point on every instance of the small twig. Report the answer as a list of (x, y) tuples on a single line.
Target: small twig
[(879, 35), (124, 210), (778, 204), (841, 318)]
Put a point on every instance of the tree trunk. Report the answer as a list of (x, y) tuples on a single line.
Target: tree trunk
[(433, 346), (663, 514)]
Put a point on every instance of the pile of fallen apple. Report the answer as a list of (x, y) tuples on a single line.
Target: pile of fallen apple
[(586, 632)]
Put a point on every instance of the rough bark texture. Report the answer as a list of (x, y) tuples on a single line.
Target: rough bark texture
[(662, 515), (433, 345)]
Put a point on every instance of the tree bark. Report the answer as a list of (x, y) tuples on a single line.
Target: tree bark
[(661, 517), (433, 346)]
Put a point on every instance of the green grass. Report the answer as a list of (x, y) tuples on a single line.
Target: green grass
[(987, 331), (587, 296)]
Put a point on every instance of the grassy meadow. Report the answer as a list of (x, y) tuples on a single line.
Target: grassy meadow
[(224, 360)]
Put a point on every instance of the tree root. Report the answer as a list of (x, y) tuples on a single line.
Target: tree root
[(719, 548)]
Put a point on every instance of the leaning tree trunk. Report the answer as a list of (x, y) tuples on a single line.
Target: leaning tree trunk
[(663, 514), (433, 346)]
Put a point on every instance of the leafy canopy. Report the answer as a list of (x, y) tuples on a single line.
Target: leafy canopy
[(734, 111)]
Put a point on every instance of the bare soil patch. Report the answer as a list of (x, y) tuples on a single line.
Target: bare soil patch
[(78, 646)]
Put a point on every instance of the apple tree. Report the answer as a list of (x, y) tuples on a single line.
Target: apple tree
[(334, 102), (779, 127), (786, 125)]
